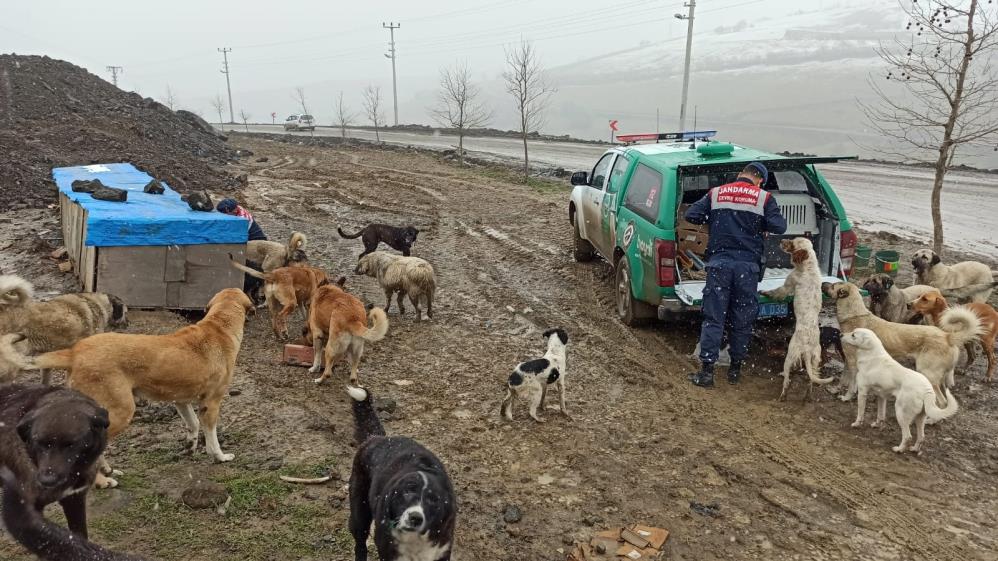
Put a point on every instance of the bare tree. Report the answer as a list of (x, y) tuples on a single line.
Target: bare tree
[(457, 104), (343, 116), (300, 98), (525, 82), (946, 92), (372, 107), (218, 105), (169, 99), (245, 117)]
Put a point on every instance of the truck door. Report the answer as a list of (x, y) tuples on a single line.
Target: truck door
[(608, 211), (592, 199)]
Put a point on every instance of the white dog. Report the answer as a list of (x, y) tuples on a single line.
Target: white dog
[(804, 283), (530, 380), (914, 398), (972, 275), (410, 276)]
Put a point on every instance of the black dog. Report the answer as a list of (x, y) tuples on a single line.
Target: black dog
[(43, 538), (400, 239), (51, 438), (252, 285), (830, 338), (402, 487)]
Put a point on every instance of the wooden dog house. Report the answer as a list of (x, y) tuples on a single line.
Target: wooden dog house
[(152, 251)]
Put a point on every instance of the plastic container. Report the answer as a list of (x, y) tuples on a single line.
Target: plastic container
[(887, 261), (862, 258)]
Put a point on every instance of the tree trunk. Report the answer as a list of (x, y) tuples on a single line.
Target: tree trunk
[(937, 191), (460, 147), (377, 136)]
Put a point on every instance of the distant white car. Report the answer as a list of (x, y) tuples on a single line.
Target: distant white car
[(299, 123)]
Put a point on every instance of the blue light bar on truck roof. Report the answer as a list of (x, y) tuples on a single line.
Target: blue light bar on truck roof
[(687, 136)]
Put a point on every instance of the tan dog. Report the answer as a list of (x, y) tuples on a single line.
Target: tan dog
[(804, 284), (191, 368), (410, 276), (972, 275), (285, 289), (272, 255), (54, 324), (935, 350), (933, 305), (890, 302), (339, 330)]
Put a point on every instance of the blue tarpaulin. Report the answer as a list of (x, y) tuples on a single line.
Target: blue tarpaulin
[(145, 219)]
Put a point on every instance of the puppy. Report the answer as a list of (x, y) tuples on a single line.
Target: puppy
[(804, 283), (50, 440), (54, 324), (272, 255), (410, 276), (889, 302), (935, 350), (337, 324), (930, 270), (399, 239), (285, 289), (933, 304), (48, 541), (830, 338), (192, 368), (914, 396), (402, 488), (531, 379)]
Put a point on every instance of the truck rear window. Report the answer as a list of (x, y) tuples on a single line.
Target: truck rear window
[(643, 192)]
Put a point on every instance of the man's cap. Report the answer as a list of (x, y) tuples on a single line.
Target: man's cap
[(760, 169), (226, 205)]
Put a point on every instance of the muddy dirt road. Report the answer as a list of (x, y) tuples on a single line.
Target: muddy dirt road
[(789, 480)]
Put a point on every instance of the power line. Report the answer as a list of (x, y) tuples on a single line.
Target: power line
[(114, 70), (391, 27), (225, 70)]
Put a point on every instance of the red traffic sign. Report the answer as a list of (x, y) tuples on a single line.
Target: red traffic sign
[(273, 115), (613, 125)]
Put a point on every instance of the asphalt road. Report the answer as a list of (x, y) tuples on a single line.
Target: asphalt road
[(876, 197)]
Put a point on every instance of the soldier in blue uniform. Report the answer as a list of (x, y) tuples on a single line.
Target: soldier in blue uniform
[(740, 214)]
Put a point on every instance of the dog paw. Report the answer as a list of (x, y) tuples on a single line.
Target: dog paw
[(318, 380), (876, 424), (857, 424), (222, 458), (314, 370), (539, 420), (117, 472), (845, 397), (105, 483)]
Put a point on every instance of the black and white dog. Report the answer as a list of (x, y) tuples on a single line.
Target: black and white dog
[(531, 379), (402, 487)]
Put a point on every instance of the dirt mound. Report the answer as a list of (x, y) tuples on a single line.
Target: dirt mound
[(53, 113)]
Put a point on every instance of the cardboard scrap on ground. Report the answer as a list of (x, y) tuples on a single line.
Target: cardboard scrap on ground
[(634, 542)]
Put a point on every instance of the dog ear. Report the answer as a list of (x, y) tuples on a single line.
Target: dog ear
[(888, 282), (24, 427), (935, 259), (843, 292), (100, 420), (341, 282), (799, 256)]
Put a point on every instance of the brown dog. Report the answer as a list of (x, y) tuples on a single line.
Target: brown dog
[(50, 439), (191, 367), (285, 289), (933, 304), (336, 321), (272, 255)]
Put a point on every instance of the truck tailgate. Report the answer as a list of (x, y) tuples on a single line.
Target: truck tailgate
[(691, 292)]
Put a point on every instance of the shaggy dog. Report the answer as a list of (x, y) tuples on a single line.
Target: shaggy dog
[(191, 368), (888, 301), (402, 488), (914, 396), (399, 239), (272, 255), (930, 270), (337, 324), (54, 324), (285, 289), (933, 304), (50, 439), (934, 349), (804, 284), (531, 379), (410, 276)]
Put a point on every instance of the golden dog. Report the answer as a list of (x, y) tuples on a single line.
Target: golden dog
[(285, 289), (339, 330)]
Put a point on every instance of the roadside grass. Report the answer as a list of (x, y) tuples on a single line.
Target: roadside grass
[(506, 175)]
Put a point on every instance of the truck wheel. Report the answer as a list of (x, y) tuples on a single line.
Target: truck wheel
[(582, 249), (631, 312)]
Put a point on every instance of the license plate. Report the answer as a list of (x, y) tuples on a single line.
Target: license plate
[(773, 309)]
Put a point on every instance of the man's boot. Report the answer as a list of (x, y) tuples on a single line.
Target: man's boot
[(734, 372), (704, 378)]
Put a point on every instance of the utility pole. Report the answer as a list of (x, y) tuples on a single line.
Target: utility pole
[(692, 4), (114, 70), (391, 27), (225, 70)]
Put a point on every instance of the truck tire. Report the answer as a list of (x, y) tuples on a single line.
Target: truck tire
[(631, 312), (582, 250)]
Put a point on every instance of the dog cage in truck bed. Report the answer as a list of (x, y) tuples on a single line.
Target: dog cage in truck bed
[(803, 202)]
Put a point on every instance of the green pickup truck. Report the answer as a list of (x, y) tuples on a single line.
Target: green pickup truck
[(627, 210)]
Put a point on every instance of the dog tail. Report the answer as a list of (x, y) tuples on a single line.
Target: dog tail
[(379, 327), (814, 375), (43, 538), (248, 270), (937, 413), (968, 292), (17, 287), (961, 324), (297, 241), (349, 236), (12, 356), (365, 417)]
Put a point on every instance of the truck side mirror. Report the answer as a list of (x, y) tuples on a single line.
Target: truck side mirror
[(580, 178)]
